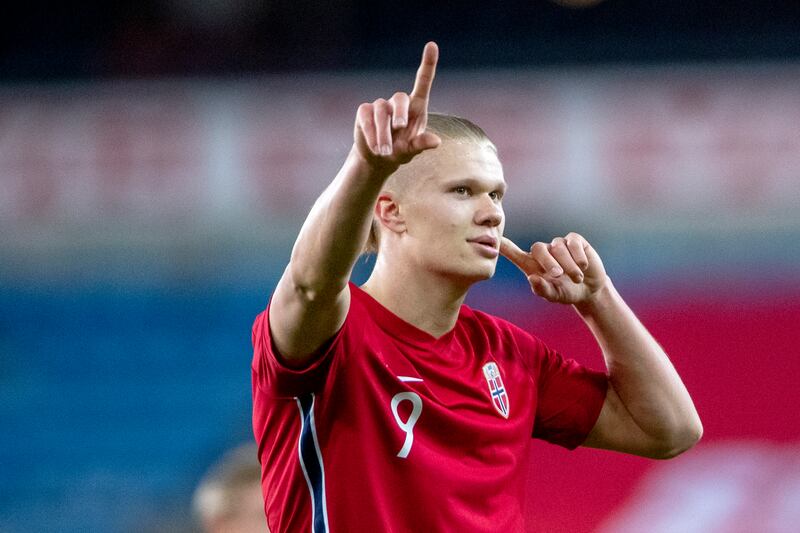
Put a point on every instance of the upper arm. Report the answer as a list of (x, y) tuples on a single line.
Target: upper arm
[(300, 322), (616, 430)]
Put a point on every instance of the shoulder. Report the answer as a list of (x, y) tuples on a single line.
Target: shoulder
[(272, 374)]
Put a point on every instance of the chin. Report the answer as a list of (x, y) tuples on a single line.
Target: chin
[(465, 271), (477, 274), (487, 275)]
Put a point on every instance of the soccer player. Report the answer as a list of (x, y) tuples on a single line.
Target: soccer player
[(393, 406)]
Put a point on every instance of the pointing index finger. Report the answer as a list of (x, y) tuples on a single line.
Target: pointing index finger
[(513, 253), (426, 72)]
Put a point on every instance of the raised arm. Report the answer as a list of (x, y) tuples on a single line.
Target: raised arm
[(648, 410), (312, 298)]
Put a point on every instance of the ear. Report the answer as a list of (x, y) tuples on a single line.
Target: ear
[(387, 211)]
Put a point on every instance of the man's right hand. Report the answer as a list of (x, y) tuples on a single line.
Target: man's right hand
[(390, 133), (312, 298)]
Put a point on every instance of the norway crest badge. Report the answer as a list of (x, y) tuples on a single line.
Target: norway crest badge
[(496, 388)]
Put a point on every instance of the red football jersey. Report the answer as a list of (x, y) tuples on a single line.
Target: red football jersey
[(392, 429)]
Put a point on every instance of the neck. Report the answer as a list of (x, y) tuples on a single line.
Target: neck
[(426, 300)]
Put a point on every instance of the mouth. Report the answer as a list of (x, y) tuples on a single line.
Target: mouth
[(486, 244)]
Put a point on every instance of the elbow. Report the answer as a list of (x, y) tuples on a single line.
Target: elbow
[(681, 440), (303, 285), (312, 291), (317, 285)]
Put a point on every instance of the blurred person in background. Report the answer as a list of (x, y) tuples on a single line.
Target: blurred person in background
[(393, 406), (228, 498)]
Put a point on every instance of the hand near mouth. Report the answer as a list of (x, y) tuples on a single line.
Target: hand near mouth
[(567, 270)]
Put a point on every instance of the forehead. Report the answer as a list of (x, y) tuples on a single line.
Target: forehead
[(461, 160)]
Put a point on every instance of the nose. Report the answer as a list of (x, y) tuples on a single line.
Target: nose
[(490, 213)]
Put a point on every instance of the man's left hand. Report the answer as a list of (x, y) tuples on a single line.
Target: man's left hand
[(567, 270)]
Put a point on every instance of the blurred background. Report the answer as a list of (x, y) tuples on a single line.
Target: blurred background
[(157, 159)]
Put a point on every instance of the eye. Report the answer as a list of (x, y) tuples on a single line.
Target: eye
[(496, 195), (462, 190)]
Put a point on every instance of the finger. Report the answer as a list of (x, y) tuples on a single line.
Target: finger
[(514, 253), (426, 72), (383, 128), (365, 123), (399, 103), (541, 254), (426, 141), (559, 250), (542, 287), (595, 268), (417, 117), (577, 248)]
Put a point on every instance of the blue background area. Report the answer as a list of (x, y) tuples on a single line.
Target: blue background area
[(113, 401)]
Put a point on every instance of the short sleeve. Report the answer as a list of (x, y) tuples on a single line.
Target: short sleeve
[(570, 397), (277, 380)]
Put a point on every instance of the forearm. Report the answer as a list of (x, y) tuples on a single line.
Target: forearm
[(640, 371), (311, 300), (336, 229)]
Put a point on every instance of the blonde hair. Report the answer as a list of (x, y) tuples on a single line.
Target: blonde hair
[(216, 497), (448, 128)]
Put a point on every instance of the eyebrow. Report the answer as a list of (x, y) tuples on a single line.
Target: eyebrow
[(476, 183)]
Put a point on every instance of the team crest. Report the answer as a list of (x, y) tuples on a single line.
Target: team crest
[(496, 388)]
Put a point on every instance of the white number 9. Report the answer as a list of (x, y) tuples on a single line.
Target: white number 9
[(408, 426)]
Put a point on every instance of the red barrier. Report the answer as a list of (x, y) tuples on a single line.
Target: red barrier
[(738, 356)]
